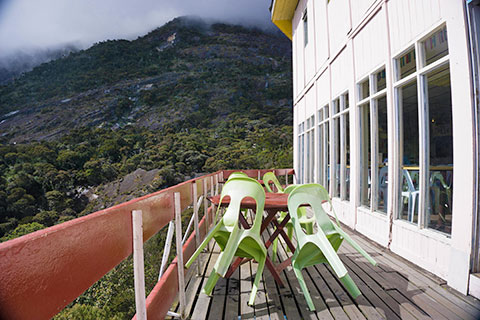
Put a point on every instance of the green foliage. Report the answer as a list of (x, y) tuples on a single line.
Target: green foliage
[(23, 229), (219, 97)]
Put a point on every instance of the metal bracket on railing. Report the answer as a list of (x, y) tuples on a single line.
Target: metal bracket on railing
[(138, 265)]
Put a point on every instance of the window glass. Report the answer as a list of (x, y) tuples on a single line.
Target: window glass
[(439, 212), (320, 115), (410, 170), (365, 148), (435, 46), (364, 90), (336, 106), (321, 151), (327, 155), (336, 155), (305, 28), (382, 170), (307, 147), (406, 64), (347, 159), (380, 80)]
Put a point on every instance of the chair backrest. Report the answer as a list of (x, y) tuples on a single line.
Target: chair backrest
[(238, 189), (290, 188), (437, 176), (270, 177), (238, 174), (314, 195)]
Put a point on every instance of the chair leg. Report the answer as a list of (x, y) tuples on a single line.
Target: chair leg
[(351, 286), (258, 276), (212, 281), (306, 293), (225, 259), (355, 245), (202, 245)]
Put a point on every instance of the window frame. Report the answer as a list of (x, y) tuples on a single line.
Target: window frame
[(372, 101), (343, 109), (420, 76)]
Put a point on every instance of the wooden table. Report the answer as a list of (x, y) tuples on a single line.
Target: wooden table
[(274, 202)]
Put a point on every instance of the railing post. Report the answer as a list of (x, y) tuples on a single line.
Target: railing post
[(216, 184), (205, 209), (180, 265), (195, 219), (286, 178), (138, 265)]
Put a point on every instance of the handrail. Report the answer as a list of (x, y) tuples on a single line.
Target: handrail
[(44, 271)]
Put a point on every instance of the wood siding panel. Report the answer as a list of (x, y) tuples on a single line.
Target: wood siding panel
[(321, 35), (338, 23), (426, 248), (323, 89), (359, 8), (309, 56), (370, 46), (372, 226), (311, 105), (342, 72), (408, 19)]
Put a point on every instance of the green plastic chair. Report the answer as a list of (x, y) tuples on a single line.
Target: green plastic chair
[(270, 177), (232, 238), (304, 220), (238, 174), (322, 246)]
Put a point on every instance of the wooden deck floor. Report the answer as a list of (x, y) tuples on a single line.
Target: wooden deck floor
[(395, 289)]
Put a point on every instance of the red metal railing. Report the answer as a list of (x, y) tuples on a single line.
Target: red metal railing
[(42, 272)]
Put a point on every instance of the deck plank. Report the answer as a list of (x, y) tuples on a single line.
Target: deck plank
[(261, 306), (202, 304), (395, 289), (233, 296)]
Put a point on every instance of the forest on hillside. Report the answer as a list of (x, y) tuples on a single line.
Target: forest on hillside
[(186, 99)]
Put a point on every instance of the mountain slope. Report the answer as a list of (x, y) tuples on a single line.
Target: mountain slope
[(184, 74)]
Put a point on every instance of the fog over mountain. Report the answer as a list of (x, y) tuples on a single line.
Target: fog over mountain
[(33, 32)]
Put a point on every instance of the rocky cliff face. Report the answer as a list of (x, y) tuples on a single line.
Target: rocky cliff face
[(186, 74)]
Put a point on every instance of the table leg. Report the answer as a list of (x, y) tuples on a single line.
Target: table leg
[(283, 234)]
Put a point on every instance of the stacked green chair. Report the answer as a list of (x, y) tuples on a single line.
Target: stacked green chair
[(238, 174), (322, 246), (305, 221), (232, 238), (270, 177)]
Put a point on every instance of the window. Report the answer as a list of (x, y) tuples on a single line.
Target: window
[(310, 146), (323, 147), (341, 148), (301, 152), (372, 104), (425, 109), (305, 28)]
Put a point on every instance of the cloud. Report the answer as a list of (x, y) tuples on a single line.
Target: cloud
[(39, 24)]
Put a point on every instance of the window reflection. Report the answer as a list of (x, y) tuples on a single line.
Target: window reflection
[(409, 196), (382, 170), (406, 64), (439, 212), (435, 46), (365, 155)]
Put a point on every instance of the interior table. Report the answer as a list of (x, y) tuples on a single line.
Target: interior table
[(274, 202)]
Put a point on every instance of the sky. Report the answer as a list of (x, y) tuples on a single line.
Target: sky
[(39, 24)]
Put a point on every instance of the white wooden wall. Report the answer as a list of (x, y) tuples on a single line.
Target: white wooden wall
[(338, 24), (321, 34), (371, 46), (345, 45), (409, 18)]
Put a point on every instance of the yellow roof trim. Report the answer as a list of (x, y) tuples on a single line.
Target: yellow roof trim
[(282, 15), (285, 26)]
